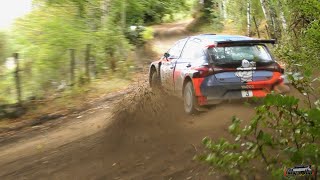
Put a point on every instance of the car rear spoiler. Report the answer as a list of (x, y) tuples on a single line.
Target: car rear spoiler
[(242, 42), (271, 41)]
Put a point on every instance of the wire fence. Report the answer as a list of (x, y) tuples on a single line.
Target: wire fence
[(18, 82)]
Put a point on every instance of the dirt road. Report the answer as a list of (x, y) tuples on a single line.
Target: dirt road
[(135, 136)]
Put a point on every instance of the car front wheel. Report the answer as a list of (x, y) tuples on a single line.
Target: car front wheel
[(155, 81), (190, 103)]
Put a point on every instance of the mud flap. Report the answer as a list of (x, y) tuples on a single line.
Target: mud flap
[(281, 89)]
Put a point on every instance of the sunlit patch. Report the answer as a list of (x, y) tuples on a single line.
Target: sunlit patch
[(10, 63)]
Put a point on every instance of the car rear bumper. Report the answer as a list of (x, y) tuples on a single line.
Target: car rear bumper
[(237, 95), (231, 95), (211, 91)]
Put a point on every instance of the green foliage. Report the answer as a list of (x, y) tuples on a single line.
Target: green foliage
[(145, 11), (281, 135), (4, 46), (44, 38), (207, 18), (301, 44), (147, 34)]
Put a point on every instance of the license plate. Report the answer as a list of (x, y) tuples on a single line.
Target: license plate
[(246, 93)]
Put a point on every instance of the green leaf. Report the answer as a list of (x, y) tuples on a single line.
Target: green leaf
[(314, 115), (260, 135), (296, 157), (267, 138), (234, 127)]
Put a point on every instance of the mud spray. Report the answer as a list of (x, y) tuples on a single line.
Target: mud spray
[(152, 129), (145, 113)]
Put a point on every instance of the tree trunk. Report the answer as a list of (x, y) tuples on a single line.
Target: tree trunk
[(248, 17), (270, 20), (87, 62), (91, 24), (124, 14), (224, 7), (264, 9), (17, 78), (112, 60), (275, 23), (72, 66), (256, 25), (93, 67), (282, 17), (104, 9)]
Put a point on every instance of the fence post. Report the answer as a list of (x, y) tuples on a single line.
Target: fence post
[(87, 62), (72, 65), (17, 78), (257, 28), (94, 67)]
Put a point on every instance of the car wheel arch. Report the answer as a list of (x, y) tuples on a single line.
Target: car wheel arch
[(159, 66), (152, 70)]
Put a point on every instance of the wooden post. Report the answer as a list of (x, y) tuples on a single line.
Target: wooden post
[(87, 62), (112, 61), (17, 78), (94, 68), (72, 66), (255, 23)]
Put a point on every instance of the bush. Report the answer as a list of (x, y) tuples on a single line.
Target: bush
[(281, 135)]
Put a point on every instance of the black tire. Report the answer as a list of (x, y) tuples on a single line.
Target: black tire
[(155, 81), (189, 99)]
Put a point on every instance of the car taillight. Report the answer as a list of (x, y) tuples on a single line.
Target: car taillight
[(280, 80), (203, 71), (274, 67)]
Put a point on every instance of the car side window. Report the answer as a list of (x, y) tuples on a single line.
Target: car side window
[(175, 51), (193, 52)]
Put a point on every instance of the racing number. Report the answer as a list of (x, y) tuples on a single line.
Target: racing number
[(246, 93)]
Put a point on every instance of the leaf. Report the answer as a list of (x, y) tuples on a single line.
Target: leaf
[(206, 141), (238, 138), (308, 73), (296, 157), (267, 138), (314, 115), (234, 127), (260, 135)]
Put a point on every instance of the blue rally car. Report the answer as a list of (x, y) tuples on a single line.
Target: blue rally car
[(207, 69)]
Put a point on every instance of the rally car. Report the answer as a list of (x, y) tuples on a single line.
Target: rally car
[(208, 69)]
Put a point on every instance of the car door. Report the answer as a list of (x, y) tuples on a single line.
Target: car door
[(192, 56), (168, 65)]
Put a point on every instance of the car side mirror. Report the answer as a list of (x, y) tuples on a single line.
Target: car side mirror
[(166, 55)]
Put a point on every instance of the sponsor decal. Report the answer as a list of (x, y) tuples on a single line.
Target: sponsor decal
[(246, 70), (247, 87)]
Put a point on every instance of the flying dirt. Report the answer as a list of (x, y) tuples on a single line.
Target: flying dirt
[(137, 135)]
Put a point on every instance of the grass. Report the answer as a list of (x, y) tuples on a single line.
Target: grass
[(70, 100)]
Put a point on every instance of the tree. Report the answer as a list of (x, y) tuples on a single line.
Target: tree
[(248, 17), (3, 46)]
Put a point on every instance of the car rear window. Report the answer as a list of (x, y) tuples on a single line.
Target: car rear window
[(235, 54)]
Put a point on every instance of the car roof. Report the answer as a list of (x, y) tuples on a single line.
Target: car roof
[(209, 39)]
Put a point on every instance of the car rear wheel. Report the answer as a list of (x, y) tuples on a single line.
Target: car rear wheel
[(189, 99)]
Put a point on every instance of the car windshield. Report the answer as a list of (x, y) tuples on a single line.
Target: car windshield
[(235, 54)]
